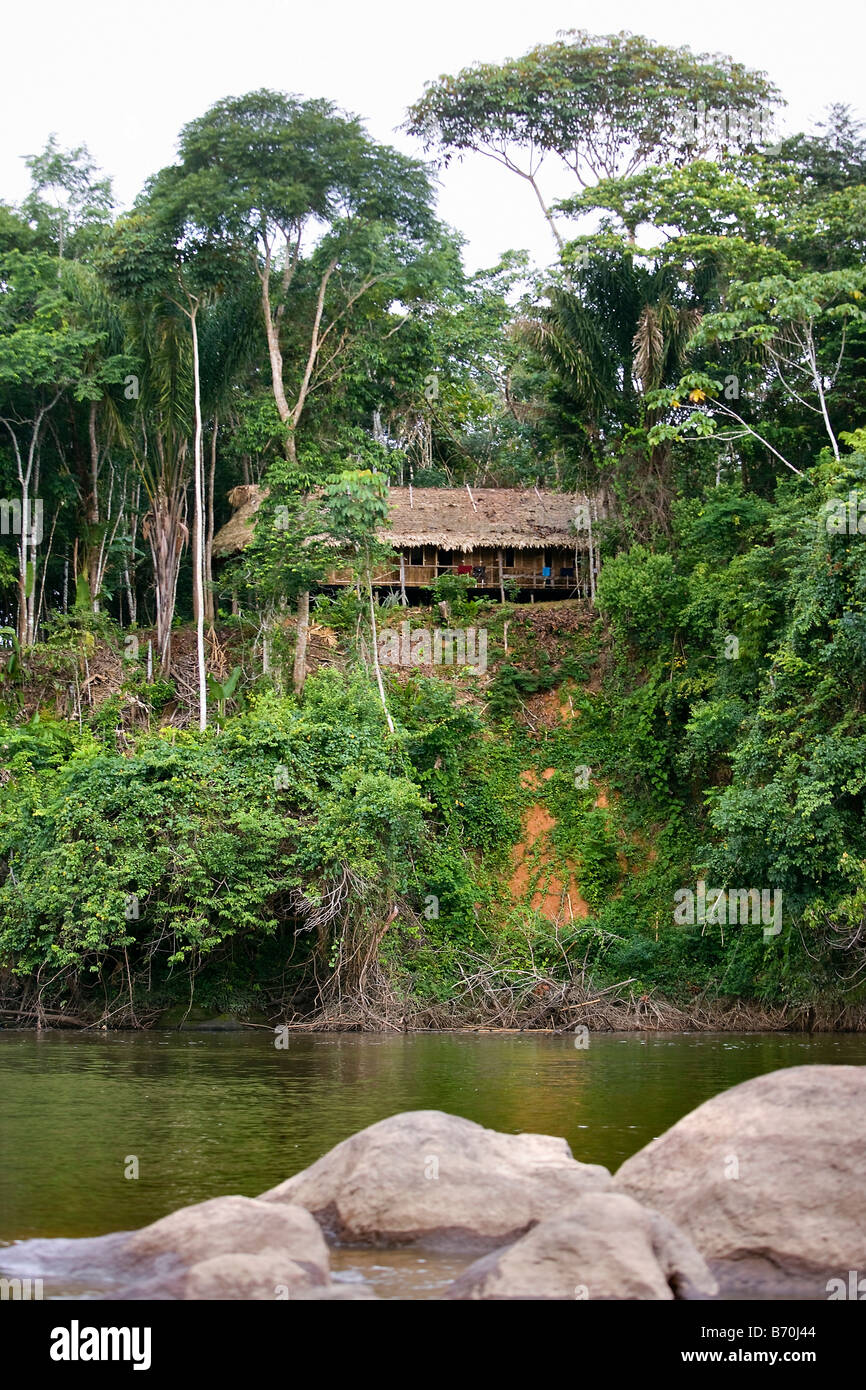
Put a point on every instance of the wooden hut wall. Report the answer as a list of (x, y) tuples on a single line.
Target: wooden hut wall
[(569, 568)]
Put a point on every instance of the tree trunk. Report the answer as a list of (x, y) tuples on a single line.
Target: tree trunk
[(303, 628), (275, 356), (94, 578), (198, 546), (560, 244), (376, 667), (31, 516), (209, 607), (129, 576), (165, 533)]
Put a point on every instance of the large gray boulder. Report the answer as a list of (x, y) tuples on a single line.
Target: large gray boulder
[(230, 1226), (605, 1246), (440, 1180), (768, 1181), (184, 1254), (229, 1243)]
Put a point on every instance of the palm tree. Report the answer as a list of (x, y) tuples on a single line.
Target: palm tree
[(228, 333), (159, 441), (615, 332)]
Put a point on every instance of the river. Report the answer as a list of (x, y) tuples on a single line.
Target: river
[(206, 1114)]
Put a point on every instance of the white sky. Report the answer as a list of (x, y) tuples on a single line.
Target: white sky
[(124, 78)]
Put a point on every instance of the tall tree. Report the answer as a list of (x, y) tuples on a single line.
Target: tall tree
[(325, 215), (315, 204), (44, 350), (601, 106), (69, 203), (172, 277), (616, 331)]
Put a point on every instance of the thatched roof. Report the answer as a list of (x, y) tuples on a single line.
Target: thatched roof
[(238, 530), (449, 517), (457, 519)]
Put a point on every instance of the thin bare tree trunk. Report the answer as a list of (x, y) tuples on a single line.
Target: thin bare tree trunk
[(45, 568), (560, 244), (209, 607), (198, 546), (819, 387), (30, 528), (93, 567), (129, 569), (376, 667), (272, 332)]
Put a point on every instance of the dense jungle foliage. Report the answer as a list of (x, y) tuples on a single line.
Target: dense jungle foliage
[(193, 820)]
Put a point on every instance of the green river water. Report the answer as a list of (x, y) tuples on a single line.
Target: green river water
[(207, 1114)]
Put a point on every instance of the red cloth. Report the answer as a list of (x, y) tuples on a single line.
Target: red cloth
[(464, 569)]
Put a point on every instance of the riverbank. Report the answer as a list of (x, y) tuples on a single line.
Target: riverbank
[(550, 1011), (497, 862)]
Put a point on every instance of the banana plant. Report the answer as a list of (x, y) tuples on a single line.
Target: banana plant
[(221, 691)]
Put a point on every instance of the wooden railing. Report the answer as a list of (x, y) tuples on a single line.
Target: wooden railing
[(423, 576)]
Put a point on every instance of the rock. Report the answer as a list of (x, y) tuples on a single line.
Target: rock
[(230, 1226), (269, 1277), (605, 1246), (433, 1178), (767, 1180), (158, 1261), (179, 1014)]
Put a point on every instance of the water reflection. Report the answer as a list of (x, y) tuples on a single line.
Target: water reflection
[(209, 1114)]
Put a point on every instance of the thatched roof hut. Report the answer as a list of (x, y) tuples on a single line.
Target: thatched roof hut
[(456, 518)]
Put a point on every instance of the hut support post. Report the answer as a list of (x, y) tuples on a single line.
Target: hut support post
[(403, 597), (501, 580)]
